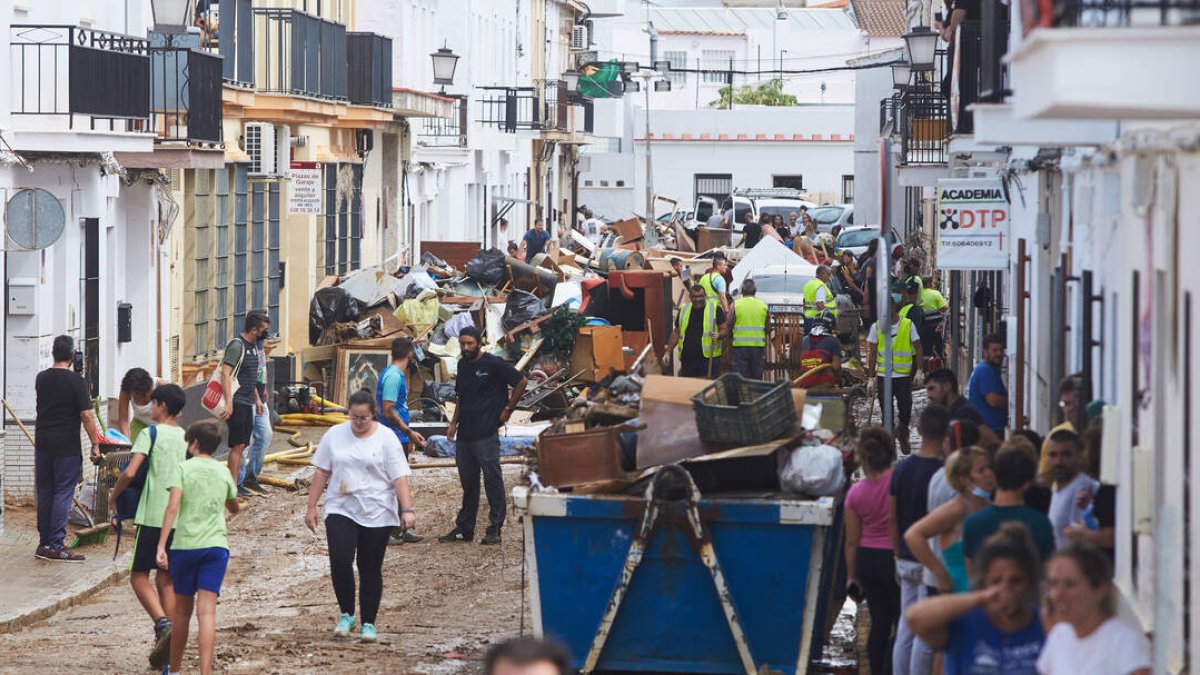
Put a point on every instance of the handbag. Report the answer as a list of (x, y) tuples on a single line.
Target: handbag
[(213, 399)]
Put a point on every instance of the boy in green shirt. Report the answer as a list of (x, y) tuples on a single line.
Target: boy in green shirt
[(164, 448), (199, 554)]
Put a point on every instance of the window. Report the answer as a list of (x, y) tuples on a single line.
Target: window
[(716, 62), (343, 217), (847, 189), (677, 60), (794, 182), (714, 185), (235, 251)]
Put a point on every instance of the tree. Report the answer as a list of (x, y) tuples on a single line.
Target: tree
[(770, 93)]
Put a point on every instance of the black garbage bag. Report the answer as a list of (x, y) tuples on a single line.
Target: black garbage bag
[(487, 267), (522, 307), (330, 306)]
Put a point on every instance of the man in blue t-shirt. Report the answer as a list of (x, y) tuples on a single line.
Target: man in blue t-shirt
[(986, 390), (535, 240), (391, 404)]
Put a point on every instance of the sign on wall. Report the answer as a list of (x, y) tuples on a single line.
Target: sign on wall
[(973, 227), (304, 189)]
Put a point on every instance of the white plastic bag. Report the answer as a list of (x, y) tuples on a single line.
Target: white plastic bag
[(813, 471)]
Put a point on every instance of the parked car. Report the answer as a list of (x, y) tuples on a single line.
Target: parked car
[(755, 201), (857, 238), (681, 216), (832, 214), (782, 286)]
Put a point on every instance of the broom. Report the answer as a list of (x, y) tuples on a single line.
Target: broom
[(96, 534)]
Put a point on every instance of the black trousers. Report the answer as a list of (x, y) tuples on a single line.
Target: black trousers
[(902, 393), (749, 362), (473, 458), (877, 574), (347, 541), (702, 367)]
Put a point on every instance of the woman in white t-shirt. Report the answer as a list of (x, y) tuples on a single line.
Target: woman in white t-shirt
[(1086, 636), (364, 467)]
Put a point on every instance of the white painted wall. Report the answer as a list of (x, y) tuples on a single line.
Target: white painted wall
[(870, 87)]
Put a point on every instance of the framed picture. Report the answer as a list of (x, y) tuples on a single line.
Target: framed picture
[(358, 368)]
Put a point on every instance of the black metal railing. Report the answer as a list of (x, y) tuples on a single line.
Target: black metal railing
[(1121, 13), (964, 91), (82, 75), (228, 30), (369, 69), (185, 95), (553, 104), (888, 112), (447, 131), (510, 109), (923, 117), (299, 54)]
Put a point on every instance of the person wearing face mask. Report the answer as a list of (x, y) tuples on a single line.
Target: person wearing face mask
[(995, 627), (969, 472), (243, 403), (1085, 635)]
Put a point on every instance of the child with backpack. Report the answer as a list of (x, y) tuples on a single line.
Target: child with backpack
[(141, 494), (199, 553)]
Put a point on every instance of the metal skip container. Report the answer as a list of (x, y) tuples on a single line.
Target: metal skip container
[(673, 582)]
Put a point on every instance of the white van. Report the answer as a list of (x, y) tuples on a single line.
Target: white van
[(756, 201)]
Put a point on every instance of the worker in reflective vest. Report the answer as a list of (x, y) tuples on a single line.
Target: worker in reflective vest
[(818, 297), (696, 340), (820, 354), (713, 283), (906, 360), (910, 306), (749, 333)]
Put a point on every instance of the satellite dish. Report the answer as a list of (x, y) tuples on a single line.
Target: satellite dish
[(34, 218)]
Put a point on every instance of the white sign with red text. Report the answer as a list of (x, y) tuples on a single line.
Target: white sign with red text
[(973, 227)]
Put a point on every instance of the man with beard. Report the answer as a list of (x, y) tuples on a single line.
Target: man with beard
[(485, 402)]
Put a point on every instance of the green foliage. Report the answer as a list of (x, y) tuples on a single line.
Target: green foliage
[(770, 93), (558, 333)]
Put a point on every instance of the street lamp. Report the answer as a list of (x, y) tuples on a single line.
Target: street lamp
[(571, 77), (171, 16), (444, 63), (901, 74), (921, 44)]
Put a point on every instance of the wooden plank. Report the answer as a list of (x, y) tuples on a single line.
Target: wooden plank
[(456, 253)]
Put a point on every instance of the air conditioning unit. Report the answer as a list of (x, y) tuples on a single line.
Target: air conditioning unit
[(262, 148), (581, 36)]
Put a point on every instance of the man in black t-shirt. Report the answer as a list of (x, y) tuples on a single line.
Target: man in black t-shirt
[(484, 404), (751, 232), (698, 323), (239, 375), (63, 402)]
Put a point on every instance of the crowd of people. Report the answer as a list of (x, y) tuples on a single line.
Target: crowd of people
[(984, 554)]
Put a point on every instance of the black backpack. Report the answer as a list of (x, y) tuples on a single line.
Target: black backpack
[(131, 496)]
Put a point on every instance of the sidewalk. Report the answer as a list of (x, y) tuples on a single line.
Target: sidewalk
[(32, 589)]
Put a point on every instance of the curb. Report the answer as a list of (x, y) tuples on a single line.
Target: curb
[(22, 621)]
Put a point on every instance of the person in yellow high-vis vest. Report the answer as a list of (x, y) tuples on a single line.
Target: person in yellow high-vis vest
[(713, 283), (906, 362), (818, 297), (697, 338), (749, 322)]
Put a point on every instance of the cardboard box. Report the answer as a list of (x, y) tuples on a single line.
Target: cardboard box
[(597, 352)]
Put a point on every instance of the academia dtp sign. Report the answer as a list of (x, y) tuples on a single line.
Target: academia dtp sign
[(973, 227)]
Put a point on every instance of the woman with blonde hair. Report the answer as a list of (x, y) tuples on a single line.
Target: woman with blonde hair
[(969, 473)]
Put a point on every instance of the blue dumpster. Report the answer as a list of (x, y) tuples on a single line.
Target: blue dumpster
[(678, 582)]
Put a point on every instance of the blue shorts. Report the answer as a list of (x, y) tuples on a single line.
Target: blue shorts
[(198, 569)]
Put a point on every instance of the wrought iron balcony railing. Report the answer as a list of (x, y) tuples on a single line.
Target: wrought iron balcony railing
[(449, 131), (553, 104), (888, 112), (369, 69), (228, 30), (299, 54), (510, 109), (79, 77), (185, 92)]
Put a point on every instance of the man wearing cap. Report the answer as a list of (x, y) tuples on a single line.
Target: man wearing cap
[(749, 333), (910, 307), (906, 362)]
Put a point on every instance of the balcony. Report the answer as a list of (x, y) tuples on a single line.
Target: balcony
[(369, 69), (446, 132), (510, 109), (300, 55), (924, 122), (185, 92), (889, 113), (553, 105), (71, 79), (1110, 59), (228, 30)]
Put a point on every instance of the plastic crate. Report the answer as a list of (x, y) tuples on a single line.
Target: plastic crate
[(735, 410)]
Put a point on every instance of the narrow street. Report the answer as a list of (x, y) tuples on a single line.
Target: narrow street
[(442, 604)]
